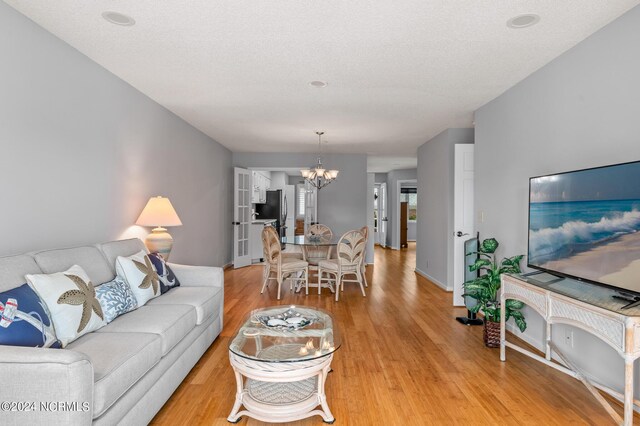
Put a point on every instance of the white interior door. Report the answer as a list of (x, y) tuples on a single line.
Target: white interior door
[(383, 215), (290, 194), (241, 217), (310, 206), (463, 216)]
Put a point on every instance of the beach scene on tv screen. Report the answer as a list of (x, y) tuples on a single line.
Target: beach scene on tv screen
[(586, 224)]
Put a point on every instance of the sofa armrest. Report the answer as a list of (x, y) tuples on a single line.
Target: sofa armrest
[(198, 276), (45, 386)]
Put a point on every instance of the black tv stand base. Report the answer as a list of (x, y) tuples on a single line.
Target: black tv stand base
[(470, 319), (632, 299)]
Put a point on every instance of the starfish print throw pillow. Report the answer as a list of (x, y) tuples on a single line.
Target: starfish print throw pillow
[(141, 275), (71, 300)]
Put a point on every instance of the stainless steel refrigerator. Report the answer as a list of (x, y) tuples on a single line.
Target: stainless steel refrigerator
[(275, 207)]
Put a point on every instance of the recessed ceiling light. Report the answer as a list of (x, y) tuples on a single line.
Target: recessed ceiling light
[(118, 18), (318, 83), (523, 21)]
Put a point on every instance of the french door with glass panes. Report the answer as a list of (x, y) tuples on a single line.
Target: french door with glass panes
[(241, 217)]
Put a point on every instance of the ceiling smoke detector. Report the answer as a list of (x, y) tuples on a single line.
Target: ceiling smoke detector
[(118, 18), (319, 84), (523, 21)]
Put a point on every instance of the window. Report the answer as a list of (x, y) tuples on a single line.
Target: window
[(410, 195), (301, 199)]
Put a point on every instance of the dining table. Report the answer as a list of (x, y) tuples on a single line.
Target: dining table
[(310, 244)]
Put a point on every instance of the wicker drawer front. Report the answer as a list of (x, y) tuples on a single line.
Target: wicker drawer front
[(608, 328), (535, 299)]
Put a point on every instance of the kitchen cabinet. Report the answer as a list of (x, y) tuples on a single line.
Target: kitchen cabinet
[(261, 181)]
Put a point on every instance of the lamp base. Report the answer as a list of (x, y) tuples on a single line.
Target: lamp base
[(159, 241)]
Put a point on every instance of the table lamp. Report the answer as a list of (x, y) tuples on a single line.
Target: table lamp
[(159, 213)]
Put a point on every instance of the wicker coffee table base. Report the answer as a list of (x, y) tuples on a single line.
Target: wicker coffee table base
[(280, 391)]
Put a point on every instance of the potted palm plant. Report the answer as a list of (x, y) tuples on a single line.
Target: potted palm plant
[(484, 289)]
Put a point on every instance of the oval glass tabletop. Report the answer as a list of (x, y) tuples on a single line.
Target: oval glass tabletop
[(286, 334), (306, 240)]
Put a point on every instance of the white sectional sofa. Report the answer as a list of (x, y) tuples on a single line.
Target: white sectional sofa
[(126, 370)]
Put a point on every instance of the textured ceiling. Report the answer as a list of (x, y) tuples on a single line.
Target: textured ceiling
[(399, 72)]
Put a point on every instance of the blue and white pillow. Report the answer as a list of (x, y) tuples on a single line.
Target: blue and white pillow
[(24, 320), (116, 298), (168, 279)]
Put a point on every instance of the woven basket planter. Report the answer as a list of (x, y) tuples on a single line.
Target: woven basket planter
[(491, 334)]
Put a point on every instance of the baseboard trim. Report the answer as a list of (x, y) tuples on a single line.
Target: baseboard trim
[(433, 280), (227, 266)]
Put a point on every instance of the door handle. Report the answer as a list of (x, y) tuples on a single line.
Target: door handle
[(235, 223), (460, 234)]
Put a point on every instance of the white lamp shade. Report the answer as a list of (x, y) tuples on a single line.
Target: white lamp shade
[(333, 174), (158, 212), (305, 173)]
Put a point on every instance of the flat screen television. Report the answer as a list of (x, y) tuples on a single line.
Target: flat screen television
[(584, 224)]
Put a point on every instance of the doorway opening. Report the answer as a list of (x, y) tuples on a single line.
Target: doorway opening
[(406, 224), (380, 220)]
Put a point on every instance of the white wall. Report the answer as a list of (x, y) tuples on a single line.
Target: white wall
[(82, 152), (579, 111), (435, 205)]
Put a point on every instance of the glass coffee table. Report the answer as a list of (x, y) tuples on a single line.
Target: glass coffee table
[(281, 357)]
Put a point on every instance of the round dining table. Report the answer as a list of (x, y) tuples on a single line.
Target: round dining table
[(308, 244)]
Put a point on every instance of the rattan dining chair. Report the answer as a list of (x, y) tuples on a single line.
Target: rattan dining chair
[(296, 270), (313, 255), (350, 252)]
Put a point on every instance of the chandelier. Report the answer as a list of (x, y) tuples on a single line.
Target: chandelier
[(318, 176)]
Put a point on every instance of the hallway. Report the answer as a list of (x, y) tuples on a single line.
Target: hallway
[(404, 360)]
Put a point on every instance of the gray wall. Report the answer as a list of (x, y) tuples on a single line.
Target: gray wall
[(434, 247), (82, 152), (380, 178), (294, 180), (342, 205), (393, 197), (581, 110), (279, 180)]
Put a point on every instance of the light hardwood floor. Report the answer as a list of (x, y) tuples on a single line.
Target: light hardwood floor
[(404, 361)]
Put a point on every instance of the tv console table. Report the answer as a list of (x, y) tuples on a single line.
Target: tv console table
[(589, 307)]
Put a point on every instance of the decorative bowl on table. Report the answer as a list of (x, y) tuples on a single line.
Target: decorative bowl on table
[(291, 319)]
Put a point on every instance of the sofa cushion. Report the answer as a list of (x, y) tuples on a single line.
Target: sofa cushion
[(88, 257), (119, 360), (113, 249), (14, 268), (24, 320), (170, 322), (205, 300), (71, 301)]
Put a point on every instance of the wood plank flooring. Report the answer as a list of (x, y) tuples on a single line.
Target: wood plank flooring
[(404, 361)]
